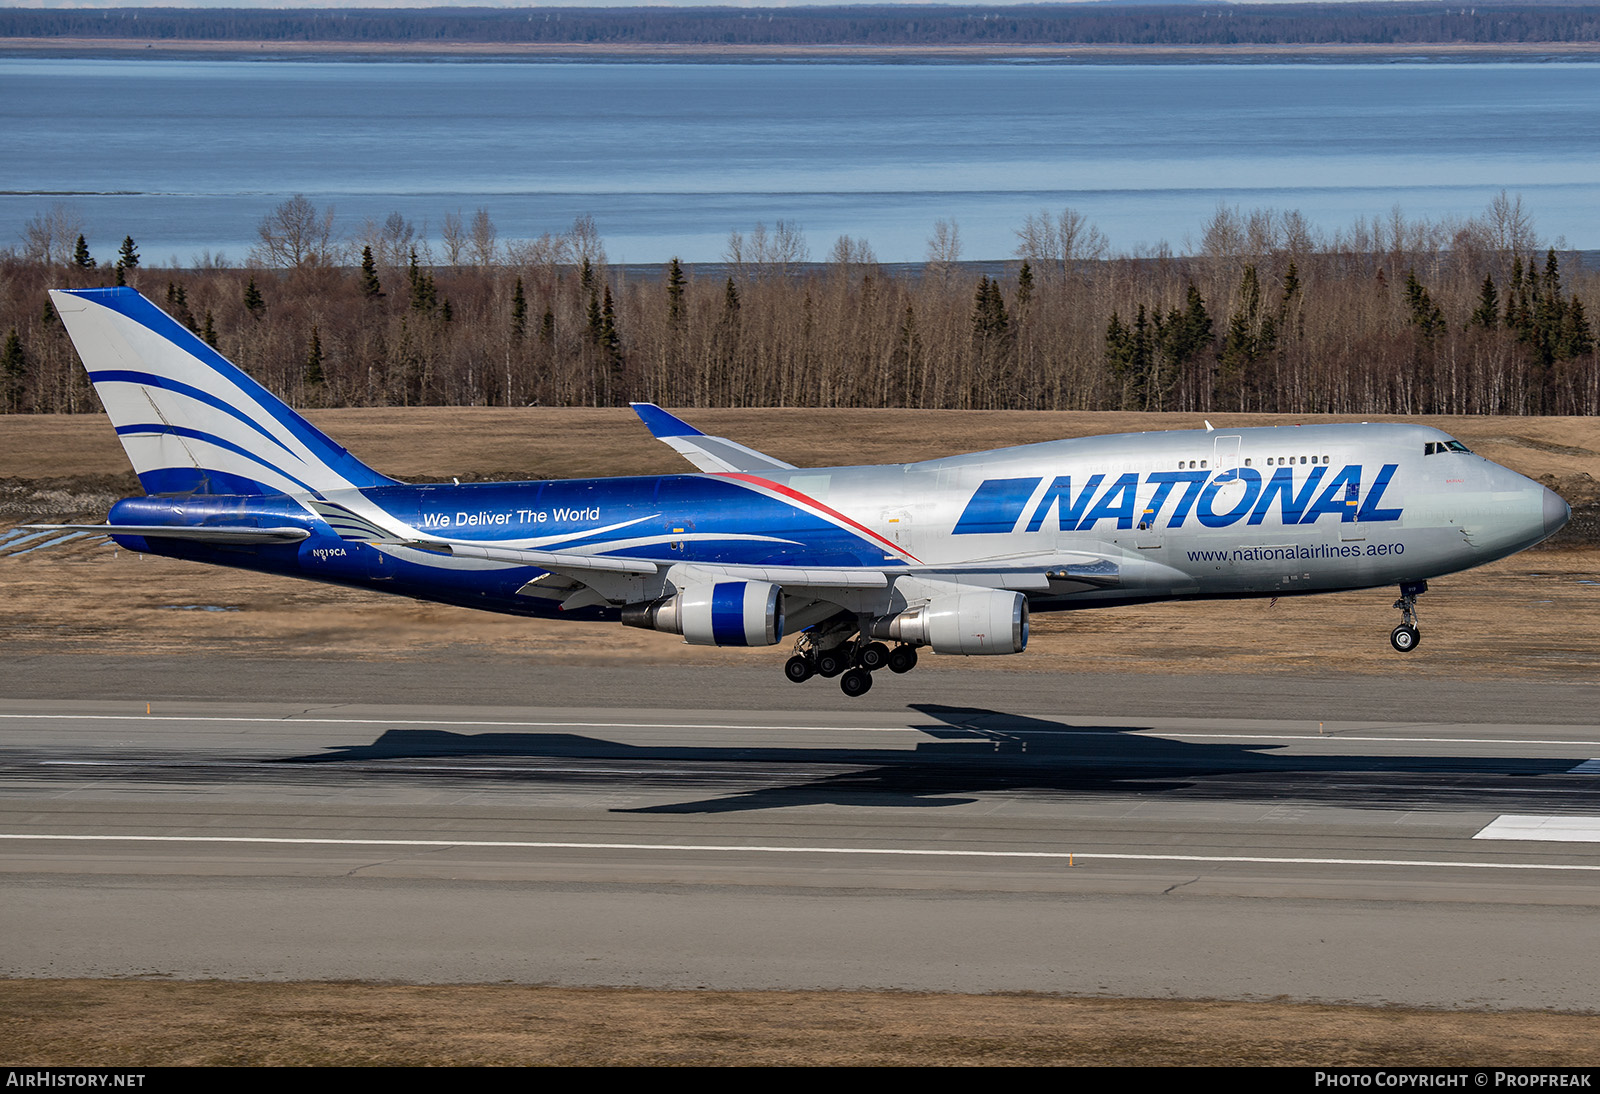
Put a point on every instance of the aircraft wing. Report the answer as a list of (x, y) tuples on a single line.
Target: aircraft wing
[(577, 566), (195, 533), (710, 454)]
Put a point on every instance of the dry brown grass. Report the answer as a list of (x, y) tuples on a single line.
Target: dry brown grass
[(130, 1024)]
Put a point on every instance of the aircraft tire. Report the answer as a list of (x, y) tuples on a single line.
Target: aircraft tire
[(798, 669), (1405, 638), (902, 659), (831, 662), (873, 656), (856, 682)]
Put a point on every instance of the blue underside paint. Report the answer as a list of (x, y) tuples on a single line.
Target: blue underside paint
[(651, 509)]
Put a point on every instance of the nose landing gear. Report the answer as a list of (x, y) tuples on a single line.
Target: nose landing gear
[(1407, 636)]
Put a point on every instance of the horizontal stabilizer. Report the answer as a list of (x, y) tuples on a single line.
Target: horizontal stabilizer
[(195, 533), (710, 454)]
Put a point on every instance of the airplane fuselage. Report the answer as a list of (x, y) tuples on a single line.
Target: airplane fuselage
[(1112, 519)]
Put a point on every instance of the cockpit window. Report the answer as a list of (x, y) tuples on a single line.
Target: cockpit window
[(1433, 448)]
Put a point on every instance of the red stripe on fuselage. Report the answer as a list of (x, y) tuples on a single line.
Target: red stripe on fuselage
[(815, 504)]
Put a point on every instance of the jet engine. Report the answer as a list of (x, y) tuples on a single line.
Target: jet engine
[(977, 621), (727, 613)]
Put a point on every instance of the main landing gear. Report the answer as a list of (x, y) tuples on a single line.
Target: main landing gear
[(852, 661), (1407, 636)]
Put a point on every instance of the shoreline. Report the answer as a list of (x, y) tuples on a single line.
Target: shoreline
[(567, 52)]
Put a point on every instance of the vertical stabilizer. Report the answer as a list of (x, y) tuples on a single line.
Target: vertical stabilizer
[(190, 421)]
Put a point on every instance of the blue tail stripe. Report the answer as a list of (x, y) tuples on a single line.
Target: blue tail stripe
[(128, 302), (150, 379), (158, 428)]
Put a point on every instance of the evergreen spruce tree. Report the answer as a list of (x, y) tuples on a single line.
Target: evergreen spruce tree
[(1119, 356), (611, 344), (254, 303), (989, 318), (675, 283), (13, 373), (586, 277), (313, 372), (1024, 287), (1487, 313), (49, 317), (424, 293), (1517, 308), (1140, 362), (1425, 314), (547, 328), (81, 257), (1193, 334), (730, 302), (209, 330), (128, 256), (519, 311), (1577, 337), (178, 304), (596, 320), (370, 286)]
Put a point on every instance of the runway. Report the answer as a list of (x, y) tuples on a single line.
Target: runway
[(980, 832)]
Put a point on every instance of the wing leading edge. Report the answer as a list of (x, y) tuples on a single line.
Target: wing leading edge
[(710, 454)]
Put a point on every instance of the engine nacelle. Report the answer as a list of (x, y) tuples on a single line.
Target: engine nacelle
[(727, 613), (975, 622)]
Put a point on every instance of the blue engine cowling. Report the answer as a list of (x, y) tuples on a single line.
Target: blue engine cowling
[(726, 613)]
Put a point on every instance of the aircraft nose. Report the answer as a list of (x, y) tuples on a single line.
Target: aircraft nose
[(1556, 512)]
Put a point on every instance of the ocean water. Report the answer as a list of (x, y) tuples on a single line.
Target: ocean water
[(187, 156)]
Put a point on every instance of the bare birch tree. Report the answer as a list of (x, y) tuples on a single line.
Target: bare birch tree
[(295, 235)]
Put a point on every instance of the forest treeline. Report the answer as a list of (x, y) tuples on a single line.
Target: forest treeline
[(1389, 316), (1201, 24)]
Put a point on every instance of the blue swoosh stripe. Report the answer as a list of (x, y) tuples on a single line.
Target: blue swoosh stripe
[(129, 303), (211, 438), (128, 376)]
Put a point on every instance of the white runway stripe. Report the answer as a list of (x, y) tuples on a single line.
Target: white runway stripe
[(932, 721), (724, 848), (1548, 829)]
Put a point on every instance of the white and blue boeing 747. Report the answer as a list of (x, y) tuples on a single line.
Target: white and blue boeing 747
[(867, 565)]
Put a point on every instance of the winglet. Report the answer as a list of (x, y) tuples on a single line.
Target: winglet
[(715, 455), (661, 424)]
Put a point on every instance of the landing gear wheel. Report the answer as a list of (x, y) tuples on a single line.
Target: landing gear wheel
[(902, 659), (832, 662), (1405, 638), (856, 682), (873, 656), (798, 669)]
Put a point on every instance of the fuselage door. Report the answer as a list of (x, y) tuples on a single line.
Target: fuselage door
[(897, 527), (1227, 456), (1146, 521)]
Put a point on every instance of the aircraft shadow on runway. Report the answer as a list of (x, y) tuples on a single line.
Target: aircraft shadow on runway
[(977, 750)]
